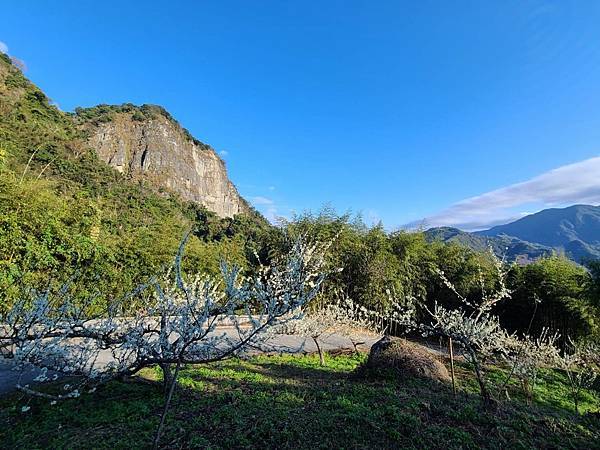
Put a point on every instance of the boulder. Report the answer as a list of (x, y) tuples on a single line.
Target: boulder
[(405, 359)]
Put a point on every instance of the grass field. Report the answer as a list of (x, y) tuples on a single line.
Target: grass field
[(291, 402)]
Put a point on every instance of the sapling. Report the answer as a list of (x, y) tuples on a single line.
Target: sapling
[(528, 355), (581, 364)]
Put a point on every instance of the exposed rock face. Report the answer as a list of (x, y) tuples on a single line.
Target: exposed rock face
[(406, 359), (155, 148)]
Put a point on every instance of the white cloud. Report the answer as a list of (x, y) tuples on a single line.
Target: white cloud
[(223, 153), (267, 207), (271, 188), (3, 47), (262, 201), (566, 185)]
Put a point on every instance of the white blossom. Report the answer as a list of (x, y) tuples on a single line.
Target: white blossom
[(526, 355), (176, 323), (471, 325), (582, 365)]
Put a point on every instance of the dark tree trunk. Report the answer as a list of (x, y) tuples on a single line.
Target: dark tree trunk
[(321, 357), (167, 377), (355, 344), (170, 388), (486, 398)]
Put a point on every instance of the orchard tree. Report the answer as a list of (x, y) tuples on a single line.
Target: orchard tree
[(527, 355), (165, 323), (581, 362), (344, 318), (471, 324)]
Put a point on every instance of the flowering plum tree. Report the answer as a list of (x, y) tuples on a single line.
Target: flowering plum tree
[(173, 322), (582, 365), (343, 317), (527, 355), (471, 325)]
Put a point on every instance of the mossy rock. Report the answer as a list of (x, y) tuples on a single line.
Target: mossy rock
[(403, 358)]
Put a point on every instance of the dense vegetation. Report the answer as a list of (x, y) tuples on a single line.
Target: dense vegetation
[(62, 210), (293, 402), (379, 266)]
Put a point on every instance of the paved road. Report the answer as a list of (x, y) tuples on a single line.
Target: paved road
[(284, 343)]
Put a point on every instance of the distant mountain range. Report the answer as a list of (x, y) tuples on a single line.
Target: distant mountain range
[(572, 231)]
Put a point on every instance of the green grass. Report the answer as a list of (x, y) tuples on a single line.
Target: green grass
[(291, 402)]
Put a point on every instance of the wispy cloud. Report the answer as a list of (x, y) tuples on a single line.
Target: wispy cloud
[(262, 201), (223, 153), (3, 47), (566, 185), (267, 207)]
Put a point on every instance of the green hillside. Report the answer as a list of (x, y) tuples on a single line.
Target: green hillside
[(61, 207), (573, 232)]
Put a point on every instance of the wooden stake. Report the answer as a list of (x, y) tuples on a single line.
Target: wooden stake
[(452, 365)]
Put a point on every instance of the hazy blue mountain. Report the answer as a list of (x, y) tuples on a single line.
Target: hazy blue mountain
[(512, 248), (554, 227), (574, 231)]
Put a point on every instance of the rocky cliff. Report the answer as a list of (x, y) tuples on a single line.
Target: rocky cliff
[(147, 143)]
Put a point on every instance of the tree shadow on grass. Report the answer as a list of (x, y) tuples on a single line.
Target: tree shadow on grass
[(412, 412), (282, 403)]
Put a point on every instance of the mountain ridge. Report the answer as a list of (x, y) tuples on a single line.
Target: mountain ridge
[(573, 231)]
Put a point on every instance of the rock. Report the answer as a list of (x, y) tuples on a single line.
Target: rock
[(406, 359), (158, 150)]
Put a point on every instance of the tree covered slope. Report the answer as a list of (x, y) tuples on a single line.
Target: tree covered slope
[(512, 248), (62, 207)]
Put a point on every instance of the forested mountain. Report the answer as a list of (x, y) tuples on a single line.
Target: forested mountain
[(572, 231), (514, 249)]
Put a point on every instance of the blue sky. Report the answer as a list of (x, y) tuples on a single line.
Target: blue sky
[(448, 111)]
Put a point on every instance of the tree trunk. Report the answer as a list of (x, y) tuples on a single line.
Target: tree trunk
[(167, 378), (355, 344), (451, 349), (168, 397), (321, 357), (528, 391), (485, 395)]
